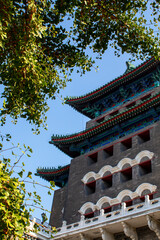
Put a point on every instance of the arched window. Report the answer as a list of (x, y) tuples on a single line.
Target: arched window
[(106, 180), (126, 173), (144, 193), (145, 166), (90, 186), (89, 213), (107, 208), (127, 200)]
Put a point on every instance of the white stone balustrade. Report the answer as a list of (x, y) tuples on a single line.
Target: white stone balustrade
[(143, 207), (44, 231)]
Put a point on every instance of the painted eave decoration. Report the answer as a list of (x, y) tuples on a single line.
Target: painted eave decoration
[(61, 141), (78, 103)]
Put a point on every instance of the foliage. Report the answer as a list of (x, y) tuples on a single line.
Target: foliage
[(14, 216), (128, 26), (42, 41), (14, 199), (35, 58)]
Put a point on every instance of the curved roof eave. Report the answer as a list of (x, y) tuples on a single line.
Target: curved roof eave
[(77, 137), (75, 101), (53, 171)]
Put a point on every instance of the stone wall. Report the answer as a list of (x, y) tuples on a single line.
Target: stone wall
[(76, 195), (58, 207)]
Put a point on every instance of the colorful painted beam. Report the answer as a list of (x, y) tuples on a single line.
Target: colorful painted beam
[(114, 83), (89, 104), (120, 117)]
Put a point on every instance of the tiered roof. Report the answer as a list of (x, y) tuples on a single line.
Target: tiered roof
[(79, 103), (64, 142), (58, 175), (73, 144)]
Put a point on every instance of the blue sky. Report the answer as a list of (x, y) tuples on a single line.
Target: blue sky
[(62, 119)]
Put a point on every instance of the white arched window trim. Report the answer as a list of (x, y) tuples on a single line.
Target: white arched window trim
[(119, 167), (86, 206), (126, 192)]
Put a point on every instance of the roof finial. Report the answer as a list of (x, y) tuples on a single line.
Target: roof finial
[(130, 67)]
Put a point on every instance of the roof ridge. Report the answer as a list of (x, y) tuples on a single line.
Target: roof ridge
[(52, 170), (74, 99)]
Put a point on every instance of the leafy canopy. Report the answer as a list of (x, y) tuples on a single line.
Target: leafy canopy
[(16, 203), (35, 58), (41, 41), (129, 26), (14, 216)]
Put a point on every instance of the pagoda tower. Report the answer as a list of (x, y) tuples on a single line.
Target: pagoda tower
[(111, 188)]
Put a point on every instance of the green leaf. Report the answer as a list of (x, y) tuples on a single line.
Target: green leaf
[(49, 193), (20, 174), (29, 175)]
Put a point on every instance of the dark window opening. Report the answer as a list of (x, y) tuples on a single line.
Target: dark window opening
[(90, 187), (100, 120), (146, 97), (145, 167), (89, 215), (93, 158), (144, 137), (126, 144), (107, 182), (126, 174), (150, 196), (114, 113), (107, 209), (129, 203), (108, 151), (116, 207), (142, 199)]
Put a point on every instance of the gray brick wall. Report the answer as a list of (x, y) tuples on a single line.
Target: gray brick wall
[(76, 196), (58, 207)]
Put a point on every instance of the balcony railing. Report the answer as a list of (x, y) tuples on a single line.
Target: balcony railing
[(44, 229), (137, 209)]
